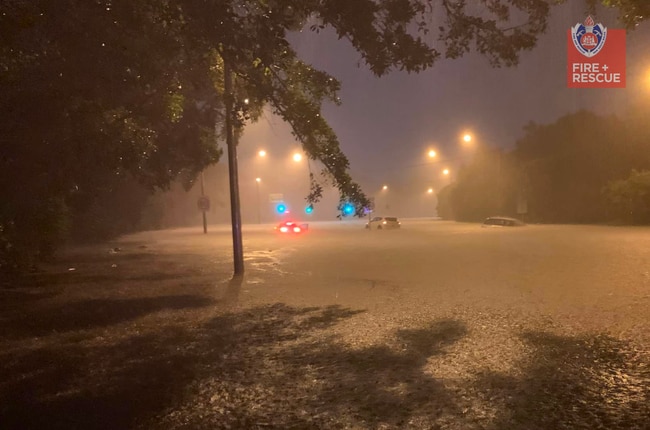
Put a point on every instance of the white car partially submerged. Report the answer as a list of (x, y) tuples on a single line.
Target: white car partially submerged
[(379, 223), (502, 221)]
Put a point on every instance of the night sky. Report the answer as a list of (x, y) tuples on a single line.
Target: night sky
[(385, 125)]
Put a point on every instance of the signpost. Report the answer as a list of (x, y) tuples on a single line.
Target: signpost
[(204, 205)]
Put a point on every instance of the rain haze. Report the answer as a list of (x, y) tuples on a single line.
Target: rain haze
[(387, 125), (491, 270)]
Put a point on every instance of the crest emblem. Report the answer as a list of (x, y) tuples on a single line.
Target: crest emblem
[(589, 38)]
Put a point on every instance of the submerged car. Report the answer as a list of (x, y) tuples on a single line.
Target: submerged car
[(291, 227), (380, 223), (502, 221)]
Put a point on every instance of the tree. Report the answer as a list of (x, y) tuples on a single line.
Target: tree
[(567, 163), (631, 12), (108, 95), (630, 198)]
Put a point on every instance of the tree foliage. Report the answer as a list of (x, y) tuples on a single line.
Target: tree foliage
[(630, 197)]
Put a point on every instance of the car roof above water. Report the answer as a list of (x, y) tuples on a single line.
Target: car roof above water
[(503, 220)]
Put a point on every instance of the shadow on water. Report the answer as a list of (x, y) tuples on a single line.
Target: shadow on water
[(587, 382), (83, 382), (74, 386), (107, 269), (284, 367), (233, 289), (96, 313), (380, 385), (276, 372)]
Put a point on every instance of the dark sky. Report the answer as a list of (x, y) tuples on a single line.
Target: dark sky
[(385, 125)]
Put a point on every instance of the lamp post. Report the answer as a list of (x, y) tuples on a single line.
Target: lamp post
[(259, 210), (430, 193), (297, 158), (384, 190), (261, 155)]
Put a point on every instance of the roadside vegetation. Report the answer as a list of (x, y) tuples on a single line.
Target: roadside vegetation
[(584, 168)]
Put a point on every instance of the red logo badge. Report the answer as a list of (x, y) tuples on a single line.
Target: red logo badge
[(596, 56)]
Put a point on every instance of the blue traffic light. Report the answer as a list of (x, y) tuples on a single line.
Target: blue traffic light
[(281, 208), (348, 209), (309, 209)]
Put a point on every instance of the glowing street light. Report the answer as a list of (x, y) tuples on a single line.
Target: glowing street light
[(385, 187), (297, 157), (262, 153), (258, 180), (430, 191), (445, 172), (432, 153), (467, 138)]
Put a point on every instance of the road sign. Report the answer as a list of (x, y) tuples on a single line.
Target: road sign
[(276, 197), (203, 203)]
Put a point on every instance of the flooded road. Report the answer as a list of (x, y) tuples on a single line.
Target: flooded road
[(436, 325)]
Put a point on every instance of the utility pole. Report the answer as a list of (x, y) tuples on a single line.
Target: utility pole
[(235, 214)]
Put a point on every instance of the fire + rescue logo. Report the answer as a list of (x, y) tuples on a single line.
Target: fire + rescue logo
[(589, 38)]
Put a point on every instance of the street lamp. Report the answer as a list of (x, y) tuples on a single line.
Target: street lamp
[(297, 157), (385, 187), (430, 191), (467, 138), (262, 153), (445, 172), (432, 153)]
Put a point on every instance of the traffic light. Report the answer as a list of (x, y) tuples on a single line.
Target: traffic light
[(281, 208), (348, 209), (309, 209)]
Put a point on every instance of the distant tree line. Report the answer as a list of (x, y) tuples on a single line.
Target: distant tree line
[(583, 168)]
